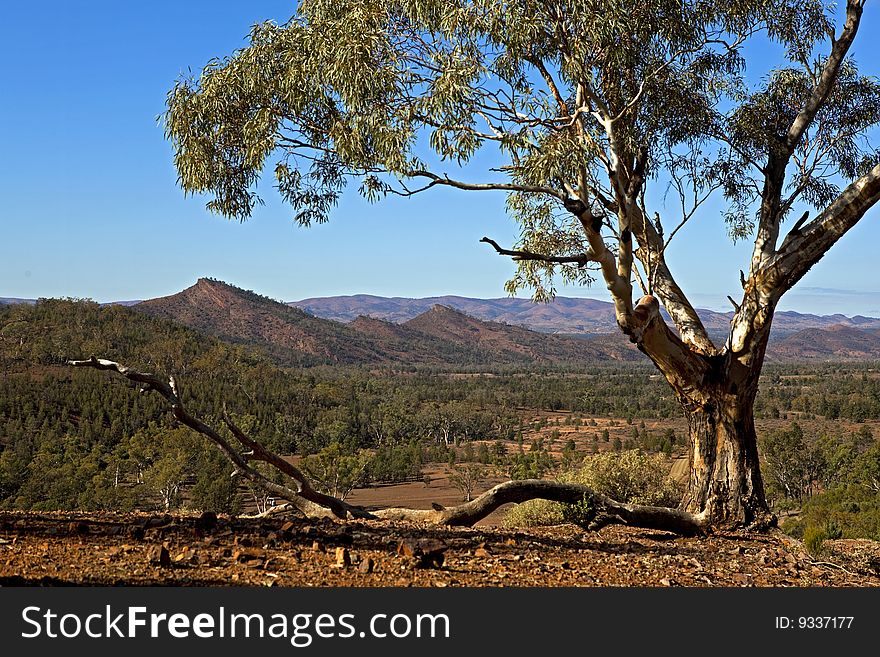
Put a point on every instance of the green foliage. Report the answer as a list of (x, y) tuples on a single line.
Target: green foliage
[(468, 478), (850, 511), (570, 454), (630, 476), (64, 472), (815, 535), (214, 489), (395, 464), (800, 467), (356, 92), (580, 513), (335, 471), (814, 539), (534, 513), (530, 465), (165, 460), (792, 468)]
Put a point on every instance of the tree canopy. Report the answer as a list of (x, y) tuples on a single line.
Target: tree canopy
[(581, 101)]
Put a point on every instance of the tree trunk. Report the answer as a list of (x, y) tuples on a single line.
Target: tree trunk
[(717, 393), (725, 485)]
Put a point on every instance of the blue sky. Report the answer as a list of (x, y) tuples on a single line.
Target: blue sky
[(91, 207)]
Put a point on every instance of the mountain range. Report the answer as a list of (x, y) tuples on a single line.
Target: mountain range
[(562, 315), (454, 331), (438, 336)]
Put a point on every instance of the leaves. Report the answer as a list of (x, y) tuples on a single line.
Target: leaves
[(587, 99)]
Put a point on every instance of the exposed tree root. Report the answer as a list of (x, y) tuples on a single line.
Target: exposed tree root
[(598, 510)]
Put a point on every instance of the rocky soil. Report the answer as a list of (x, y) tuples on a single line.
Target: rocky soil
[(204, 550)]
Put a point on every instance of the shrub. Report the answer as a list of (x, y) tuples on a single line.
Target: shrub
[(842, 512), (814, 539), (631, 477), (580, 513), (534, 513)]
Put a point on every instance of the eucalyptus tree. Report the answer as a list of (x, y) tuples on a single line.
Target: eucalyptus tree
[(591, 107)]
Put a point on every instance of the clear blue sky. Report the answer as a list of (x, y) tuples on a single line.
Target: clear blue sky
[(90, 207)]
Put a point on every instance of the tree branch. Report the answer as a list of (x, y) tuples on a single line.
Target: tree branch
[(828, 76), (458, 184), (258, 452), (794, 232), (800, 251), (307, 500), (603, 510), (580, 260), (551, 84), (687, 321), (780, 154)]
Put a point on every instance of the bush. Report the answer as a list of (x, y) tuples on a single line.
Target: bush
[(842, 512), (580, 513), (814, 539), (534, 513), (631, 477)]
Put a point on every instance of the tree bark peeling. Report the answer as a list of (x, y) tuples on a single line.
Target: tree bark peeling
[(725, 485)]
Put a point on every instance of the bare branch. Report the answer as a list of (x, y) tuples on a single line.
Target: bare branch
[(619, 287), (604, 510), (509, 187), (257, 452), (795, 230), (580, 260), (307, 500)]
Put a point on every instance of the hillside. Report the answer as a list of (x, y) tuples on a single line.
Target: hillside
[(563, 315), (53, 330), (513, 342), (288, 334), (838, 342), (439, 336)]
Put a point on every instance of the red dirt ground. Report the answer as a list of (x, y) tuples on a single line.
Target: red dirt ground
[(188, 550)]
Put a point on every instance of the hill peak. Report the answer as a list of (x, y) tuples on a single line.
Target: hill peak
[(443, 309), (206, 281), (440, 315)]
